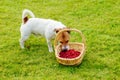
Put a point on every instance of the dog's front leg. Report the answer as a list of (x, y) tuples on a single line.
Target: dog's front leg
[(49, 45)]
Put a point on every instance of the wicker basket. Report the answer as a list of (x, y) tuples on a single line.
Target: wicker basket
[(73, 45)]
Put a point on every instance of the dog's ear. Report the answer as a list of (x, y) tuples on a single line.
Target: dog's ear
[(68, 32), (57, 30)]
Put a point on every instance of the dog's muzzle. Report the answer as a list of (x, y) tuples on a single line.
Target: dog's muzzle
[(65, 48)]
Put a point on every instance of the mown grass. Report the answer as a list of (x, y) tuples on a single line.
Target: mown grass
[(99, 20)]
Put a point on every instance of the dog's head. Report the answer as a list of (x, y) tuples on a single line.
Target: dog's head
[(63, 38)]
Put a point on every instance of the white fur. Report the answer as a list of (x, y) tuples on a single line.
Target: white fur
[(38, 26), (25, 13)]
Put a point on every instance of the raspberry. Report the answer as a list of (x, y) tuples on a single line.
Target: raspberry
[(69, 54)]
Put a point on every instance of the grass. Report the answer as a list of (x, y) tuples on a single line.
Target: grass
[(99, 20)]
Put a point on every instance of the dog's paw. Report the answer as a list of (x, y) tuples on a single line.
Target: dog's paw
[(22, 47), (50, 50)]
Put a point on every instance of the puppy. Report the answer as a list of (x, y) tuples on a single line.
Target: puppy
[(45, 27)]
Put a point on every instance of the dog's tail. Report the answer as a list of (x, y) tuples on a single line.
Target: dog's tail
[(25, 14)]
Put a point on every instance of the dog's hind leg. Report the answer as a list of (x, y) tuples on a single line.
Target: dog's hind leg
[(22, 41)]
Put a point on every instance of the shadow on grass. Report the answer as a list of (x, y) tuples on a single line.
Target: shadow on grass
[(34, 48)]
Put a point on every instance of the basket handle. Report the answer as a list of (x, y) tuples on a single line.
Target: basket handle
[(83, 38)]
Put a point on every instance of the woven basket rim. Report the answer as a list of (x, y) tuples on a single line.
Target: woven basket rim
[(82, 52)]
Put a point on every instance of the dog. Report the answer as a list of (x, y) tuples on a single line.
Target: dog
[(47, 28)]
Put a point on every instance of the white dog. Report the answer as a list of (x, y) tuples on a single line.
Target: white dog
[(45, 27)]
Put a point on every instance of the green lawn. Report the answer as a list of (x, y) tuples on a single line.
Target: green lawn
[(99, 20)]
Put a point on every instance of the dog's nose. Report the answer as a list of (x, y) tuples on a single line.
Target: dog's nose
[(64, 49)]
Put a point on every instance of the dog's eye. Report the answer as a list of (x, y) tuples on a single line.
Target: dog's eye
[(61, 42), (67, 41)]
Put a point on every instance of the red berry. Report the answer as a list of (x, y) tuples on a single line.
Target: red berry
[(69, 54)]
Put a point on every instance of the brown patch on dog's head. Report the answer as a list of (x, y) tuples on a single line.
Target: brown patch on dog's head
[(57, 30), (25, 19), (64, 38)]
